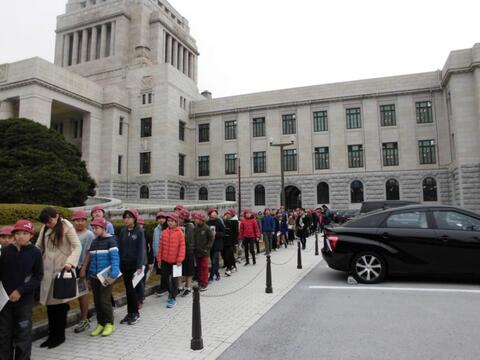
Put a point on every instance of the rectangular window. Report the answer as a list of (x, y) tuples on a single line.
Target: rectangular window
[(355, 156), (144, 99), (81, 128), (150, 98), (424, 112), (181, 164), (75, 129), (320, 121), (354, 120), (119, 164), (387, 115), (145, 163), (181, 130), (146, 127), (390, 154), (258, 125), (230, 130), (204, 165), (259, 162), (290, 159), (322, 160), (289, 124), (203, 132), (230, 162), (120, 126), (426, 149)]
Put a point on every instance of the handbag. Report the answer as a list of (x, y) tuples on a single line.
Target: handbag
[(65, 287)]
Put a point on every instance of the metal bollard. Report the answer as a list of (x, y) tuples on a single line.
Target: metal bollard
[(299, 256), (269, 288), (316, 244), (197, 341)]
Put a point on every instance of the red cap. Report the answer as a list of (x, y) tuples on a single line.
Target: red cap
[(99, 222), (7, 230), (97, 207), (133, 212), (161, 214), (140, 220), (232, 211), (184, 214), (179, 207), (173, 216), (198, 215), (23, 225), (79, 214), (211, 210)]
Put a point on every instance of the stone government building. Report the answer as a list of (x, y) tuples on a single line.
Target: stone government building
[(123, 89)]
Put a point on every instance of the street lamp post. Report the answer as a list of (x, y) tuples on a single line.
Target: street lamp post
[(282, 167)]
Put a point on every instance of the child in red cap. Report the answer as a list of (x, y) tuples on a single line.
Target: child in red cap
[(21, 271), (6, 236)]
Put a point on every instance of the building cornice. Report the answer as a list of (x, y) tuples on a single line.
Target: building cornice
[(47, 85), (459, 70), (175, 33), (311, 102), (86, 24)]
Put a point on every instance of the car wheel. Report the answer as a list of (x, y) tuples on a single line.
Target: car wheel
[(369, 268)]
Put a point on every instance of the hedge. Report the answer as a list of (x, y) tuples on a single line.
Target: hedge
[(10, 213), (149, 227)]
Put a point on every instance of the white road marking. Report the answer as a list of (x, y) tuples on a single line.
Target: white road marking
[(379, 288)]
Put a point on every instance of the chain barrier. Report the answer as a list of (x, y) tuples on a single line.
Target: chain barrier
[(286, 262)]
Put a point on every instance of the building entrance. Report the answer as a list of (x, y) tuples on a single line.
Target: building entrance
[(293, 197)]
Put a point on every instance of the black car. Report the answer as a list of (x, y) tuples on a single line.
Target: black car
[(416, 239), (342, 216), (369, 206)]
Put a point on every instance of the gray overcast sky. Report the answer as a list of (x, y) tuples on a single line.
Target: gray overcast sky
[(255, 45)]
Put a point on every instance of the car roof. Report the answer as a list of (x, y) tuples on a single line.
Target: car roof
[(424, 207)]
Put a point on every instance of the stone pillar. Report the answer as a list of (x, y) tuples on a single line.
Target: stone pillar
[(92, 143), (180, 58), (7, 110), (185, 61), (103, 41), (84, 45), (75, 48), (169, 49), (195, 68), (66, 50), (175, 53), (112, 39), (37, 108), (190, 65), (93, 44)]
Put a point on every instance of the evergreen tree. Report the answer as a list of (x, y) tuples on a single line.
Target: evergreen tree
[(38, 166)]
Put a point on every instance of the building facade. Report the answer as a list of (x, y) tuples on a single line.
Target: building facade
[(124, 90)]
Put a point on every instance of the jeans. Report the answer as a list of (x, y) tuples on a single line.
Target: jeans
[(249, 243), (214, 256), (267, 240), (16, 330), (102, 299), (167, 273)]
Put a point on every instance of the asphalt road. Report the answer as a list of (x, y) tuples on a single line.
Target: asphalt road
[(398, 319)]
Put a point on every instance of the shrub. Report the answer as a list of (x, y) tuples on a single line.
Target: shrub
[(10, 213)]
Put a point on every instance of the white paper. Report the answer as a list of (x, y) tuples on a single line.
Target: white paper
[(137, 277), (3, 296), (177, 271), (149, 272), (106, 274)]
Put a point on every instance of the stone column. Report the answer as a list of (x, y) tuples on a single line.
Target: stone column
[(7, 110), (190, 65), (84, 45), (180, 58), (37, 108), (175, 53), (92, 143), (169, 49), (103, 41), (195, 67), (112, 39), (185, 61), (93, 44), (66, 49), (75, 48)]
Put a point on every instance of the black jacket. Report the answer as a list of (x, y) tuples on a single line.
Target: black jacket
[(21, 270), (131, 244), (231, 233), (219, 233)]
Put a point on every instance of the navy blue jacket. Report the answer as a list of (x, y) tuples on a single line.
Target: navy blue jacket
[(268, 224), (131, 244), (219, 233), (21, 270)]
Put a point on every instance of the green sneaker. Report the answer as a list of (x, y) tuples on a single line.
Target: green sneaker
[(108, 330), (98, 330)]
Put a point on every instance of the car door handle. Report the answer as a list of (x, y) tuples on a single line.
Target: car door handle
[(444, 238), (385, 236)]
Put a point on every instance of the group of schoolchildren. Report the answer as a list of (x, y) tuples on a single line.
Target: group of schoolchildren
[(182, 247)]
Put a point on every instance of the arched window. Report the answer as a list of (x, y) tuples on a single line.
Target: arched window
[(356, 192), (182, 193), (259, 195), (392, 189), (144, 192), (323, 193), (203, 194), (230, 193), (429, 189)]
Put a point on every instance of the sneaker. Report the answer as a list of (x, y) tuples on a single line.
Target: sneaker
[(171, 303), (234, 269), (161, 293), (134, 319), (126, 319), (228, 273), (246, 264), (186, 292), (98, 330), (82, 326), (202, 288), (217, 277), (108, 330)]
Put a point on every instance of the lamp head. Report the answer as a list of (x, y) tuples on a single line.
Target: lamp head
[(270, 140)]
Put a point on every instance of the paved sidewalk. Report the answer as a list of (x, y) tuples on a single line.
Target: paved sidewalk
[(229, 307)]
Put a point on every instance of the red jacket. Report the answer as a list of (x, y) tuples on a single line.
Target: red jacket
[(172, 246), (249, 229)]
